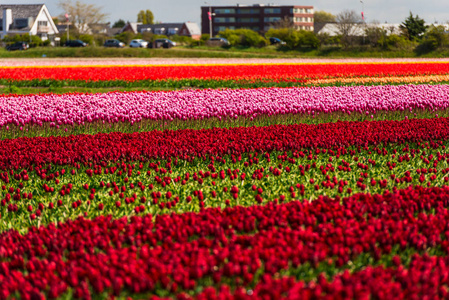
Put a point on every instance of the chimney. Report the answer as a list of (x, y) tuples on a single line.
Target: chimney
[(7, 19)]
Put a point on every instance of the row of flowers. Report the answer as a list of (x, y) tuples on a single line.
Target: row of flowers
[(224, 72), (48, 193), (80, 61), (228, 106), (417, 79), (26, 152), (378, 282), (20, 87), (243, 247)]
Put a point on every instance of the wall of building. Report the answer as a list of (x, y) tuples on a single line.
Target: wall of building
[(256, 17), (43, 25)]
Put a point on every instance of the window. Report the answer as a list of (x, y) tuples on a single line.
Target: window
[(248, 11), (224, 20), (224, 11), (271, 19), (42, 23), (20, 23), (272, 10), (173, 30), (309, 11), (223, 28), (248, 20)]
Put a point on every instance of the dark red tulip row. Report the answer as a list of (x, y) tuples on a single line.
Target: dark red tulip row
[(25, 152), (182, 252), (425, 278), (220, 72), (47, 194)]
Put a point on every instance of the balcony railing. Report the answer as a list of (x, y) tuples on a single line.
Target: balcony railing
[(43, 28)]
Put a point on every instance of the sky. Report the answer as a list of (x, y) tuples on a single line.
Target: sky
[(165, 11)]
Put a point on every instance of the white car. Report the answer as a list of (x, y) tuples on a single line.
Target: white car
[(138, 44)]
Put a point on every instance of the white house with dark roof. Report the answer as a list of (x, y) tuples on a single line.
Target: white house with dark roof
[(34, 19), (190, 29)]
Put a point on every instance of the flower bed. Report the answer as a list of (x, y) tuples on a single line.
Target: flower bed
[(267, 193), (49, 179), (284, 71), (146, 111), (239, 250), (27, 152)]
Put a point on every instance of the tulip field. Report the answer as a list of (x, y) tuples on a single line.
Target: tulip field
[(335, 185)]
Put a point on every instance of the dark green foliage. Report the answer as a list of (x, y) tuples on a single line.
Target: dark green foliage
[(244, 37), (295, 39), (413, 27), (33, 40), (145, 17), (125, 37), (434, 38), (119, 24)]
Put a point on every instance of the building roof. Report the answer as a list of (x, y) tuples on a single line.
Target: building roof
[(24, 11), (113, 31), (159, 25), (193, 28), (131, 25), (27, 13)]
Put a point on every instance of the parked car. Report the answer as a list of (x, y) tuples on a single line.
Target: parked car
[(17, 46), (164, 43), (217, 42), (276, 41), (114, 43), (75, 43), (138, 43)]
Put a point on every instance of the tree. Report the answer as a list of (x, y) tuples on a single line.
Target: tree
[(125, 37), (374, 33), (243, 37), (119, 24), (145, 17), (346, 22), (81, 14), (434, 38), (413, 27), (285, 22), (321, 16)]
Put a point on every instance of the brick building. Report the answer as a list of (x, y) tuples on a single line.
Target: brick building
[(258, 17)]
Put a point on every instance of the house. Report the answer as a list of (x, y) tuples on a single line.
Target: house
[(130, 27), (91, 28), (33, 19), (189, 29)]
